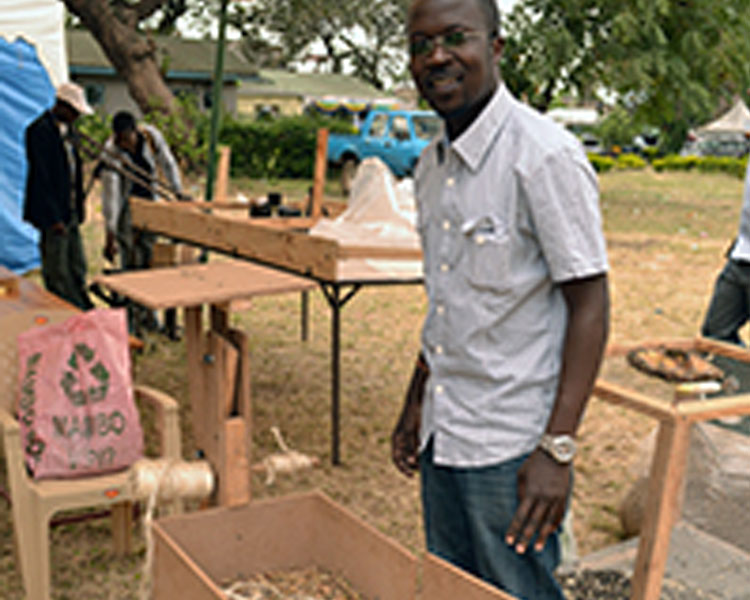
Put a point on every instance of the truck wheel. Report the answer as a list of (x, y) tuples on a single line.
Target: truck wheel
[(348, 172)]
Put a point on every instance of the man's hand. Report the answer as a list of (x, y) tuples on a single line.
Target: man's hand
[(58, 228), (405, 436), (110, 247), (543, 487)]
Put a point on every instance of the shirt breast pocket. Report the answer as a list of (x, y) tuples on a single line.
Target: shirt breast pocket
[(487, 245)]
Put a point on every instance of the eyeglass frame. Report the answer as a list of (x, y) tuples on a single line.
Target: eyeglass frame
[(439, 39)]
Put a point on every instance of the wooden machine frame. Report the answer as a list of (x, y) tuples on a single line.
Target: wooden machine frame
[(667, 472)]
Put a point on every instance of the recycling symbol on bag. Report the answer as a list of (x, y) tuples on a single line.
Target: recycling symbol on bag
[(81, 357)]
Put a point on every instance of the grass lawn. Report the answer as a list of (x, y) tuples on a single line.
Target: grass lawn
[(666, 236)]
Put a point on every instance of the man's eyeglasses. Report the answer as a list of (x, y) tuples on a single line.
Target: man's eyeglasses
[(422, 46)]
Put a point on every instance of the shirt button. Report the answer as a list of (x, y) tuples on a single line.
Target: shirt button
[(440, 309), (446, 225), (444, 267), (439, 349), (439, 389), (480, 239), (450, 182)]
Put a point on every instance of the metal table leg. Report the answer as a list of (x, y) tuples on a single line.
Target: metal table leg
[(332, 292)]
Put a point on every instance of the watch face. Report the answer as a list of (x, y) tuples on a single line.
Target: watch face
[(564, 449)]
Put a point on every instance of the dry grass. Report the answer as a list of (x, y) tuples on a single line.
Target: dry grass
[(666, 235)]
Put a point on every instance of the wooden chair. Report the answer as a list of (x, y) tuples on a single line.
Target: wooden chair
[(35, 502)]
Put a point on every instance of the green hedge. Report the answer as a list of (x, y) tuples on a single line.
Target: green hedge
[(602, 164), (283, 147), (704, 164)]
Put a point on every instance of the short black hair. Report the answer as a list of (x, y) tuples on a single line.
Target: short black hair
[(123, 121), (491, 15)]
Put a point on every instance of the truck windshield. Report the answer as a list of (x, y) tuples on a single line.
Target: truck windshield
[(426, 127)]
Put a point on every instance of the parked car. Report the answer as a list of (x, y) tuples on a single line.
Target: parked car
[(397, 137)]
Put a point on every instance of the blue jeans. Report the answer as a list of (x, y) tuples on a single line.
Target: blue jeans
[(466, 514), (730, 304)]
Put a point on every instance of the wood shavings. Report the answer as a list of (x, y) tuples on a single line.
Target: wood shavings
[(310, 583), (285, 462)]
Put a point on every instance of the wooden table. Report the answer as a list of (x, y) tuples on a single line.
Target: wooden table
[(218, 367)]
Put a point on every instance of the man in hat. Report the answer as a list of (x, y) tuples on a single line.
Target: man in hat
[(54, 195)]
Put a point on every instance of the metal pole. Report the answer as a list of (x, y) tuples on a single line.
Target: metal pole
[(215, 108)]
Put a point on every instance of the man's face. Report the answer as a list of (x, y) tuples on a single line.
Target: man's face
[(455, 76), (126, 140)]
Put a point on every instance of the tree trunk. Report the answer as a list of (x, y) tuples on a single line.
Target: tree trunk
[(132, 54)]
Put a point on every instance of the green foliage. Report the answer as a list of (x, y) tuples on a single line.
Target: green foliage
[(705, 164), (186, 131), (601, 164), (618, 128), (629, 161), (97, 127), (283, 147), (672, 64)]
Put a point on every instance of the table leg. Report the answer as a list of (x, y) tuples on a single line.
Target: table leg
[(332, 292), (304, 314), (662, 505), (194, 351)]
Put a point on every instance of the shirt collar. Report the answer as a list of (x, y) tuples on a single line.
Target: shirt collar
[(474, 143)]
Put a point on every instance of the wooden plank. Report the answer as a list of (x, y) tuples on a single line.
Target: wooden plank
[(348, 252), (615, 394), (194, 346), (622, 349), (233, 468), (298, 252), (176, 575), (192, 285), (660, 512), (714, 408), (442, 581), (319, 177), (243, 400), (222, 174), (729, 350)]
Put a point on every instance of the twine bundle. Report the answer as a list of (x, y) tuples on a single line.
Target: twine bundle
[(172, 479), (286, 461)]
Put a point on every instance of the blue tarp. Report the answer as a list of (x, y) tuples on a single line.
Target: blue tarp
[(25, 91)]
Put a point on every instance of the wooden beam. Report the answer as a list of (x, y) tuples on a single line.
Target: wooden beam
[(714, 408), (615, 394), (222, 178), (723, 348), (623, 348), (661, 510), (319, 179), (379, 253), (297, 252)]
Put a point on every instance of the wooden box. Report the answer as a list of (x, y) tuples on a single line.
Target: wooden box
[(196, 552)]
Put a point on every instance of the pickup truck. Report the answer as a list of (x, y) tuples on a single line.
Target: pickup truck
[(397, 137)]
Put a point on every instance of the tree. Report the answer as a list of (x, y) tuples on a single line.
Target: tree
[(670, 63), (365, 35), (115, 25)]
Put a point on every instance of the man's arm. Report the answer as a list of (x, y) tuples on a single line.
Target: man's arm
[(166, 159), (405, 436), (543, 483)]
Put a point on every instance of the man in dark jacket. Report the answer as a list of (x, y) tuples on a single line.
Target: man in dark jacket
[(54, 195)]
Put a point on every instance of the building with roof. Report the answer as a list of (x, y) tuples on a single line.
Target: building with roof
[(188, 67), (280, 92)]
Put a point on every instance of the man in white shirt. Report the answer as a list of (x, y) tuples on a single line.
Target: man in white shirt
[(515, 270)]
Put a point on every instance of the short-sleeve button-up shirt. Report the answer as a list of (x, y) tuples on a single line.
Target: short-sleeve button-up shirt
[(505, 213), (741, 249)]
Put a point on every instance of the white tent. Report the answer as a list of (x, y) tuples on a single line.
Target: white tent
[(32, 63), (735, 120)]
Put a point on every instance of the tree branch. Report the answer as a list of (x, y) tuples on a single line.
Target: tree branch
[(146, 8)]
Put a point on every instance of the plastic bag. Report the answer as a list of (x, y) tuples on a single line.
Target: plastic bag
[(75, 397)]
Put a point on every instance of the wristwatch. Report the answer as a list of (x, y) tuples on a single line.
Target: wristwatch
[(560, 447)]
